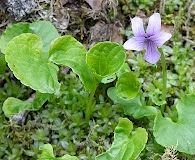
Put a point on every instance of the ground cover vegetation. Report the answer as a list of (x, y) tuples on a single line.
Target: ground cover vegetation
[(104, 102)]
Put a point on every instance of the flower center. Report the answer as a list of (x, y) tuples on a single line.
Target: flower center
[(147, 36), (147, 40)]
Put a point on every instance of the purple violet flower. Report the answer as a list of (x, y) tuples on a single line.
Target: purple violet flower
[(152, 38)]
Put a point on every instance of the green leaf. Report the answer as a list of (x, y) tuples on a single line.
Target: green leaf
[(133, 106), (25, 58), (139, 137), (109, 79), (127, 86), (180, 134), (67, 51), (106, 58), (47, 154), (44, 29), (11, 32), (15, 106), (2, 64), (124, 68), (126, 145), (155, 98), (39, 100)]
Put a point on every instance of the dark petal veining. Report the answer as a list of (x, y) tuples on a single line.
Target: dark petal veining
[(152, 55)]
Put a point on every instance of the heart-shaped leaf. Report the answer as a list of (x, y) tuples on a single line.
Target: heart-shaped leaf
[(11, 32), (13, 105), (44, 29), (47, 154), (126, 146), (127, 86), (180, 134), (67, 51), (25, 58), (106, 58), (133, 106)]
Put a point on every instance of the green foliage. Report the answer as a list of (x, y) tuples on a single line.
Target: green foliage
[(106, 58), (125, 68), (132, 107), (40, 28), (13, 88), (61, 121), (47, 154), (25, 58), (179, 134), (126, 146), (46, 31), (127, 86), (131, 6), (2, 64), (12, 32), (173, 5), (109, 79), (67, 51), (15, 106)]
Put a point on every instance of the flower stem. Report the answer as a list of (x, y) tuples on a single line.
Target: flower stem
[(90, 103), (164, 77)]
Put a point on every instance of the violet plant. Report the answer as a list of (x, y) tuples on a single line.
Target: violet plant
[(152, 39), (34, 52), (34, 56), (169, 131)]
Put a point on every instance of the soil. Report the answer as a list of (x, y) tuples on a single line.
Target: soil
[(89, 21)]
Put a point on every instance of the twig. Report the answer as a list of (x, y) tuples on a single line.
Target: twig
[(4, 24), (189, 40), (162, 7), (88, 137), (188, 18)]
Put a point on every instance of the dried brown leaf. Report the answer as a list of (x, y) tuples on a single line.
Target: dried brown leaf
[(95, 4)]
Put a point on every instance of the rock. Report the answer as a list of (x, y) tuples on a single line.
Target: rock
[(17, 8)]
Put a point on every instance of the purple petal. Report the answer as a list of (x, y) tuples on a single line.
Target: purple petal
[(135, 43), (137, 27), (160, 38), (154, 24), (152, 55)]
